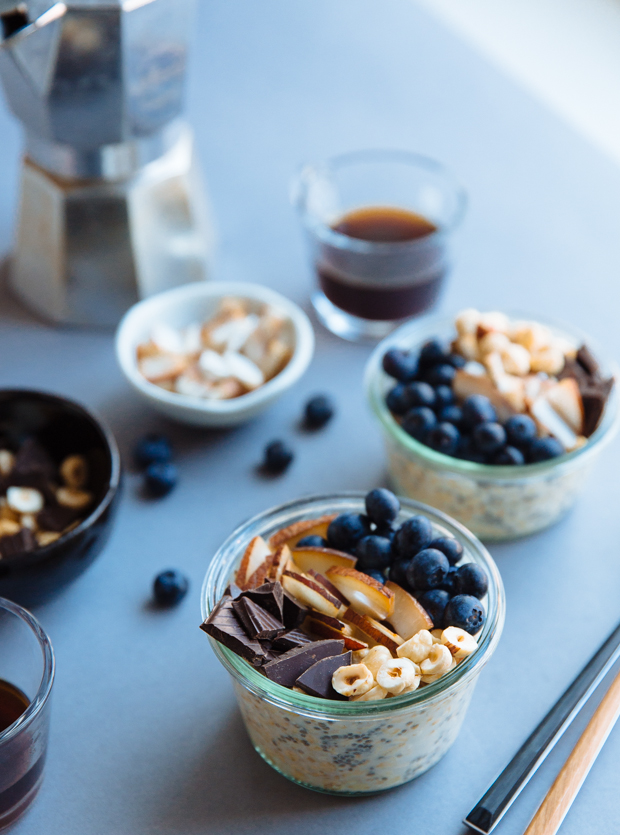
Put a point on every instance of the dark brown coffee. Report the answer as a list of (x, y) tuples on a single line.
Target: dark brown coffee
[(13, 702), (384, 285)]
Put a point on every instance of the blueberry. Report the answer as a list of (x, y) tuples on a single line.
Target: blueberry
[(397, 573), (386, 531), (452, 548), (472, 580), (277, 457), (313, 541), (466, 612), (467, 452), (413, 535), (433, 352), (457, 360), (435, 602), (478, 409), (170, 587), (489, 437), (319, 411), (451, 414), (402, 365), (444, 438), (419, 422), (427, 569), (444, 396), (449, 581), (382, 506), (346, 530), (440, 375), (509, 455), (421, 394), (398, 400), (521, 430), (375, 574), (543, 449), (373, 552), (153, 449), (160, 479)]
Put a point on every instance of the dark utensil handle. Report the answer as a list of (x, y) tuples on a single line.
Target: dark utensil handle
[(501, 794)]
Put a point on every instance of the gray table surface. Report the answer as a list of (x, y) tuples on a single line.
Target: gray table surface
[(146, 736)]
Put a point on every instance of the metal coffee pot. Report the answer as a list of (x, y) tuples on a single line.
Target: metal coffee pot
[(111, 206)]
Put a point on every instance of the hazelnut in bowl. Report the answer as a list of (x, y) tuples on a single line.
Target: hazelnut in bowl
[(60, 473), (214, 354), (494, 419), (352, 665)]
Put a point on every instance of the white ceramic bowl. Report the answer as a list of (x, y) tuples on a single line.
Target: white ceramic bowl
[(195, 303)]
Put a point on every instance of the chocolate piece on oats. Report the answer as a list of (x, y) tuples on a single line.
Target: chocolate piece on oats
[(233, 590), (57, 517), (587, 361), (594, 396), (31, 459), (19, 543), (223, 625), (317, 680), (290, 640), (287, 668), (257, 622), (293, 613), (269, 596)]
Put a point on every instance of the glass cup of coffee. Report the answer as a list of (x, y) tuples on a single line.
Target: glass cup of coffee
[(26, 678), (378, 224)]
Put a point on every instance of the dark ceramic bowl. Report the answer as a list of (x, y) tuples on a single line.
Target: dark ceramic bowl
[(63, 428)]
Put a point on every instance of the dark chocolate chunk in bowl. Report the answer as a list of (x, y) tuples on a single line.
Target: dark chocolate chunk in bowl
[(290, 640), (269, 596), (293, 613), (257, 622), (287, 668), (21, 542), (223, 625), (317, 679)]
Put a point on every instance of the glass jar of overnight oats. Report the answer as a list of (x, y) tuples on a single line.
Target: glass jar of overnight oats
[(494, 502), (352, 748)]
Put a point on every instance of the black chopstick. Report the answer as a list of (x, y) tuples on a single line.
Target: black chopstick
[(501, 794)]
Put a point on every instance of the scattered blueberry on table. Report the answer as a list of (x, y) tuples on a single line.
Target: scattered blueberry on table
[(152, 449), (278, 457), (318, 412), (170, 587), (160, 479)]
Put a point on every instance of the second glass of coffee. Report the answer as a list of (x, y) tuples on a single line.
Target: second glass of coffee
[(378, 224)]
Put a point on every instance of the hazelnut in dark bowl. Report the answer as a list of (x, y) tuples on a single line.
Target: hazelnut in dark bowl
[(59, 483)]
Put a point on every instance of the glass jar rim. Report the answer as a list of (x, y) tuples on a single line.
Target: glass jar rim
[(374, 375), (49, 668), (312, 706), (309, 171)]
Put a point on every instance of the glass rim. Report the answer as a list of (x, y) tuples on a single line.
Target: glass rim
[(339, 240), (49, 669), (318, 708), (374, 375)]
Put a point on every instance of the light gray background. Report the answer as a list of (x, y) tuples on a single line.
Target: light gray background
[(146, 737)]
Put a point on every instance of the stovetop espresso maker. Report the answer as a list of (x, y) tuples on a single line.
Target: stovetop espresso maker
[(111, 206)]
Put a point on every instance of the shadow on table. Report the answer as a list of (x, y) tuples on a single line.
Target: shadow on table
[(230, 785)]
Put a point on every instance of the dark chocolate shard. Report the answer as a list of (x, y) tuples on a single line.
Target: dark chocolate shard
[(293, 613), (223, 625), (57, 517), (233, 590), (594, 397), (32, 459), (317, 680), (287, 668), (587, 361), (290, 640), (257, 622), (269, 596), (18, 543)]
